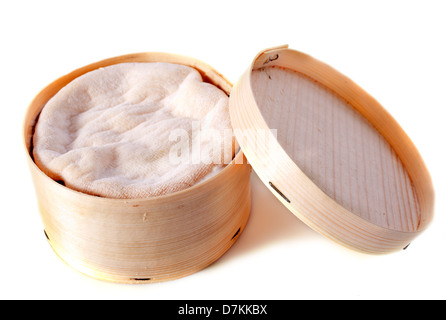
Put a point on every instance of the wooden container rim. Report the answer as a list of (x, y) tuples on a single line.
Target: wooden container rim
[(208, 74), (243, 99)]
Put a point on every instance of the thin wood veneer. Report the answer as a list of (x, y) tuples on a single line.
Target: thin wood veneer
[(142, 240), (339, 162), (337, 148)]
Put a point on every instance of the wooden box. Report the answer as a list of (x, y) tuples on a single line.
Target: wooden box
[(339, 161), (142, 240), (323, 146)]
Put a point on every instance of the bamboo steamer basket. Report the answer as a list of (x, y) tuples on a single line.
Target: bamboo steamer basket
[(141, 240), (338, 160)]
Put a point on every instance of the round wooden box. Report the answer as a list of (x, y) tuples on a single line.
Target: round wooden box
[(330, 152), (142, 240)]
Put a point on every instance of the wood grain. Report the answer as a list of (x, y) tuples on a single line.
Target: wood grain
[(333, 170), (141, 240), (337, 148)]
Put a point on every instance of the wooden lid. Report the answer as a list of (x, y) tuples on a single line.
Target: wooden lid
[(330, 152)]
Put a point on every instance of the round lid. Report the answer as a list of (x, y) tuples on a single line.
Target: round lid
[(330, 152)]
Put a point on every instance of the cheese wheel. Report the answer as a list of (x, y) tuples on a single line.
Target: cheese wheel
[(134, 130)]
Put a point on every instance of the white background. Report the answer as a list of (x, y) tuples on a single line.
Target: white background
[(395, 50)]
